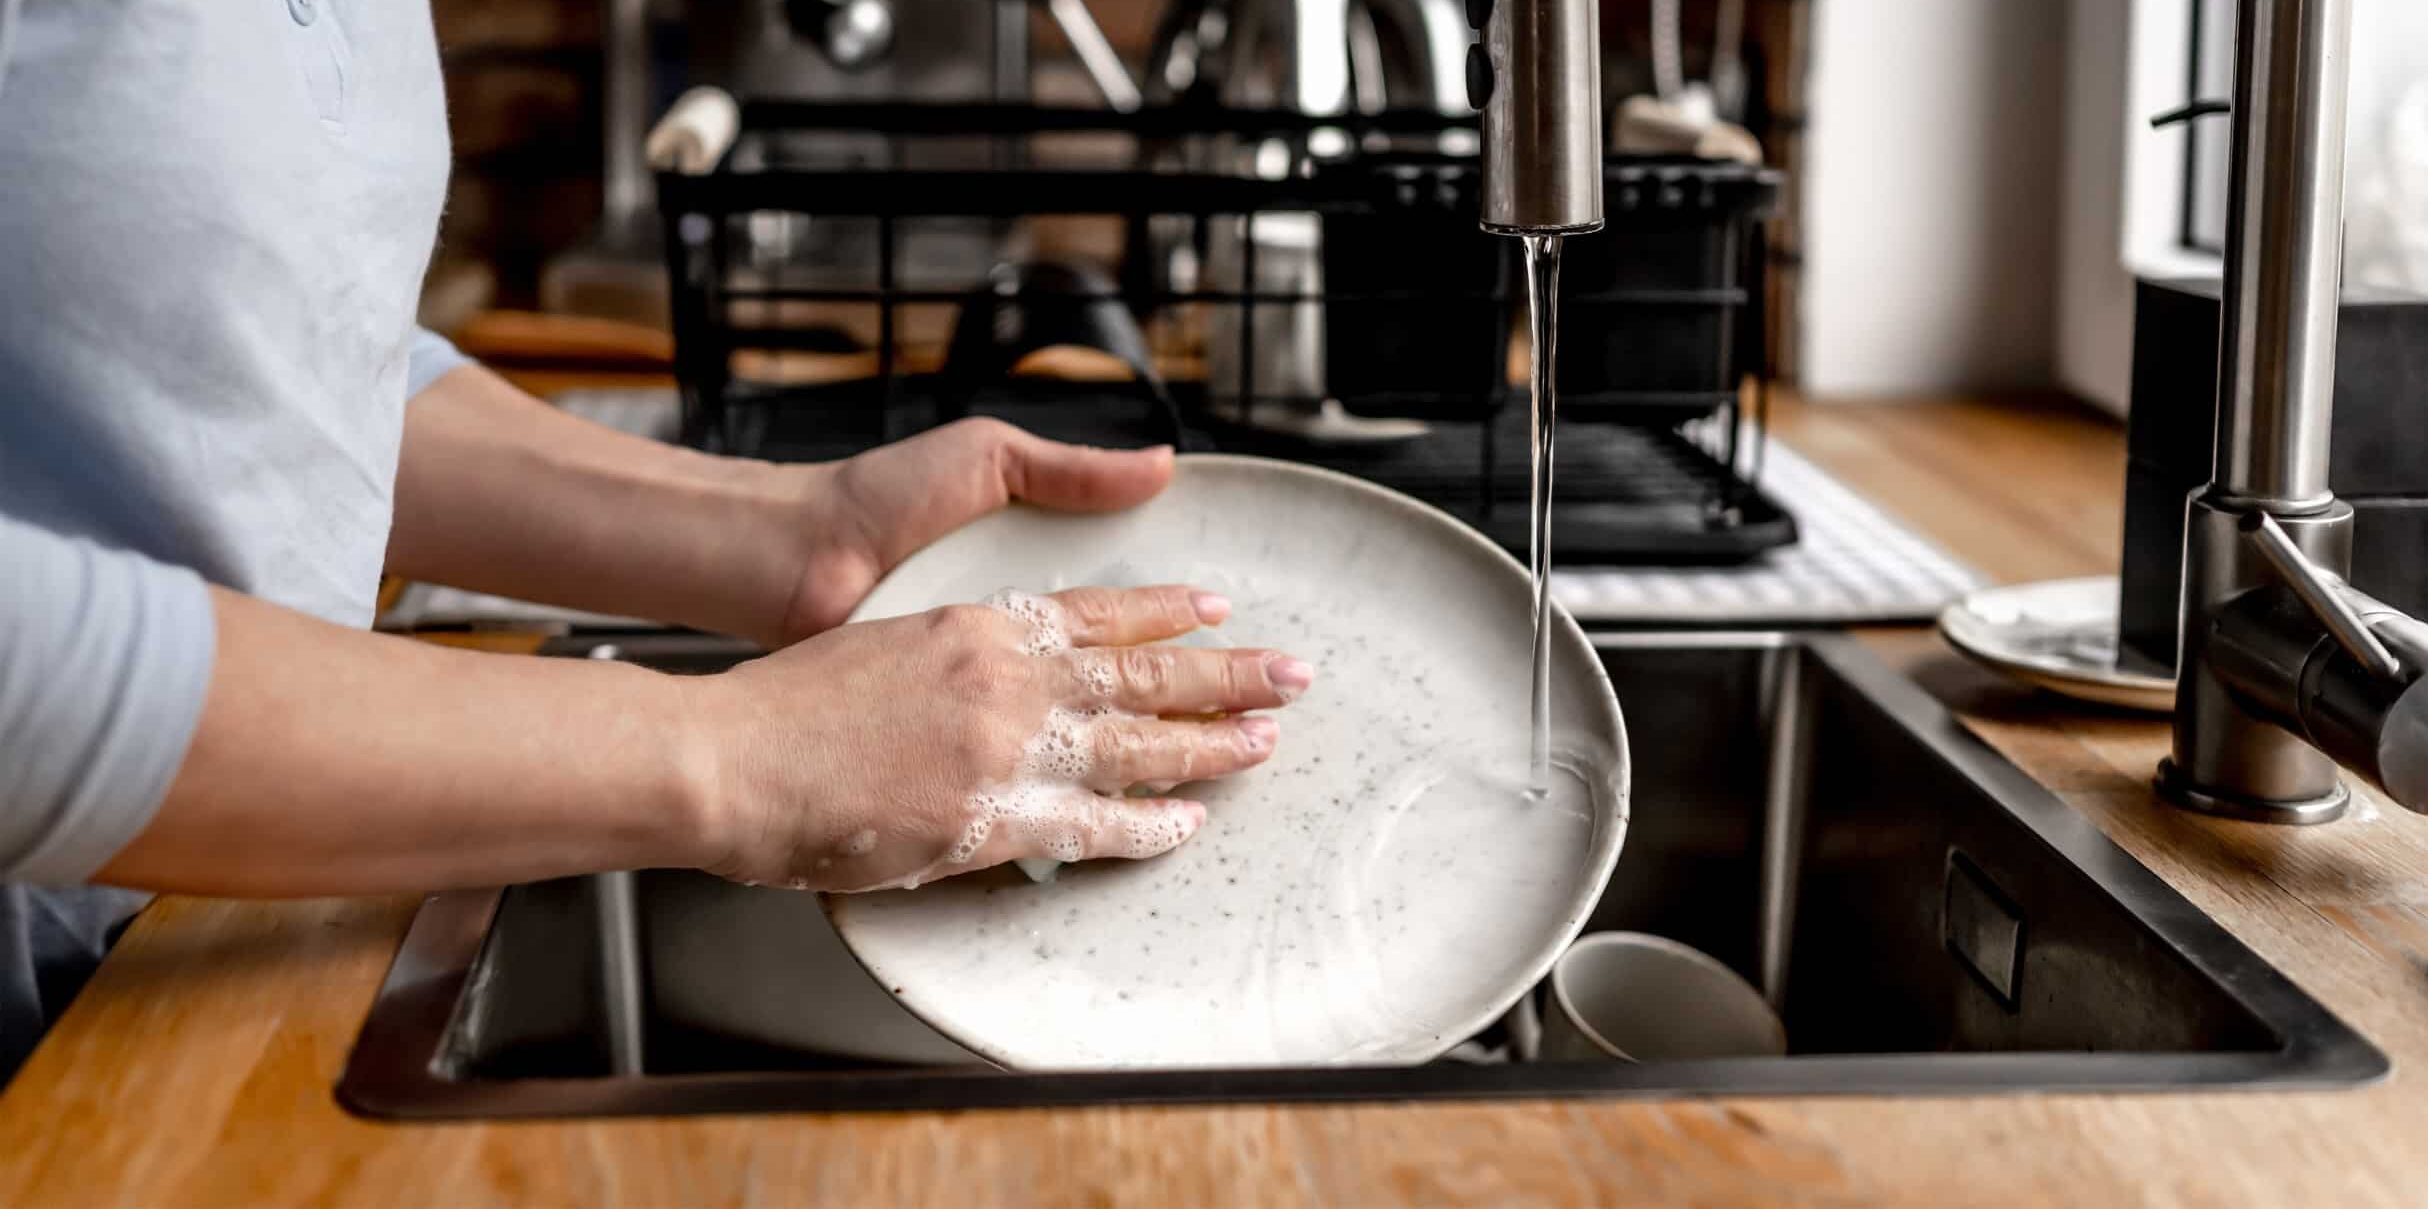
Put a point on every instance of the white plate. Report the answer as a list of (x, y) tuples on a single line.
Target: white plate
[(709, 928), (1377, 892), (2060, 635)]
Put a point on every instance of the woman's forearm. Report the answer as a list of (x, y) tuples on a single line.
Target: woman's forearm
[(331, 761), (499, 492)]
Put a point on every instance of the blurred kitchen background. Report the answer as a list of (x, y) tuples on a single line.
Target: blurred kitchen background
[(529, 98), (1813, 200), (1971, 186)]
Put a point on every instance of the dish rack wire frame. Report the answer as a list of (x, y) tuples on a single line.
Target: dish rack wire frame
[(705, 224)]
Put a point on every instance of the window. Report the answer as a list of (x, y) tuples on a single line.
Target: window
[(2146, 204), (2386, 100), (2208, 148)]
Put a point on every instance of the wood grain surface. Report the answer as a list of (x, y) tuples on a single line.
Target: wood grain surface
[(197, 1068)]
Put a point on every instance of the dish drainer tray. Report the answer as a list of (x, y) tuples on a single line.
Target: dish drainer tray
[(887, 233), (1624, 494)]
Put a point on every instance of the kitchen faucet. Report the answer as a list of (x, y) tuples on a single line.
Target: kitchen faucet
[(2285, 670), (1537, 75)]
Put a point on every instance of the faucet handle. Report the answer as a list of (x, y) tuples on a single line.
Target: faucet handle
[(2319, 590)]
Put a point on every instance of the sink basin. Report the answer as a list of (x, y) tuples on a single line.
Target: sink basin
[(1925, 918)]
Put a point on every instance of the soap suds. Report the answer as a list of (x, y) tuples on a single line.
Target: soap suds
[(1095, 668), (1046, 803), (1047, 635)]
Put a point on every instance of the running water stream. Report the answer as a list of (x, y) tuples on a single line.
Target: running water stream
[(1542, 303)]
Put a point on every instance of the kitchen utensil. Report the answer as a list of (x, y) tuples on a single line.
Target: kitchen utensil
[(1637, 997), (1406, 53), (696, 132), (1377, 892), (1025, 308), (1289, 336), (2060, 635), (1691, 117), (1287, 394)]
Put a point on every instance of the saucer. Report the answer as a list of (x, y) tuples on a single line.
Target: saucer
[(2059, 635)]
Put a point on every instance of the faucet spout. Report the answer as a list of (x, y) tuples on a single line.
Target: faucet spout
[(1537, 76)]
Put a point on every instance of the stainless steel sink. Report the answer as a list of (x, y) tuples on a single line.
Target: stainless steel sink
[(1927, 919)]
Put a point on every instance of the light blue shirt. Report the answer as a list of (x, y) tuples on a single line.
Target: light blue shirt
[(214, 220)]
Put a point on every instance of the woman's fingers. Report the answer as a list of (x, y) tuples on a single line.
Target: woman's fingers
[(1190, 680), (1126, 616), (1150, 751), (1112, 623), (1137, 828), (1089, 826), (1076, 478), (1129, 692)]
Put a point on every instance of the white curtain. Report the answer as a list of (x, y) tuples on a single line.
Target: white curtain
[(2386, 148)]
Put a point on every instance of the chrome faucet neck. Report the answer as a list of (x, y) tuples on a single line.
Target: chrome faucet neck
[(2276, 372)]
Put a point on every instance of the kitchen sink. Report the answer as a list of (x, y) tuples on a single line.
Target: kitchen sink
[(1925, 918)]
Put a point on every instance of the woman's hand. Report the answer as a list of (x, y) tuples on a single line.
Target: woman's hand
[(894, 752), (499, 492), (854, 520)]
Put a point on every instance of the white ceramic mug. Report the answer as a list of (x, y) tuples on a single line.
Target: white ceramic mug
[(1640, 998)]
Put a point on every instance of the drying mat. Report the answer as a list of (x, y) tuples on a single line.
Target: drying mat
[(1853, 563)]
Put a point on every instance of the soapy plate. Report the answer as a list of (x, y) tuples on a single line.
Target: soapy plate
[(1377, 892)]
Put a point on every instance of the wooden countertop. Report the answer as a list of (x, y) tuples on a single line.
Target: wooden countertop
[(197, 1067)]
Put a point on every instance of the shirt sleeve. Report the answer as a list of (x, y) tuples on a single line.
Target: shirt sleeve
[(431, 358), (105, 657), (8, 37)]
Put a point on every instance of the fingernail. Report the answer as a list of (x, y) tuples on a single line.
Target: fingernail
[(1195, 812), (1289, 676), (1211, 607), (1259, 731)]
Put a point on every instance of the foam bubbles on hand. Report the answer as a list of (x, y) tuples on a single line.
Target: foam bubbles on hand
[(1047, 802), (1047, 634)]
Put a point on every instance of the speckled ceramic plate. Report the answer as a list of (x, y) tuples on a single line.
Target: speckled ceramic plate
[(2060, 635), (1377, 892)]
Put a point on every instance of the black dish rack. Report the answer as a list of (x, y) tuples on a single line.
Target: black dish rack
[(902, 254)]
